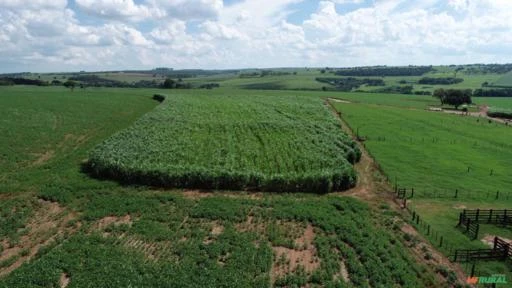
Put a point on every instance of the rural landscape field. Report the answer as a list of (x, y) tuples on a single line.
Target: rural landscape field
[(255, 143), (235, 186)]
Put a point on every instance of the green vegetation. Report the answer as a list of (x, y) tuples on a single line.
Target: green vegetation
[(504, 81), (454, 97), (452, 162), (446, 146), (209, 242), (47, 125), (134, 236), (499, 112), (440, 80), (251, 141), (349, 83), (384, 71), (64, 224)]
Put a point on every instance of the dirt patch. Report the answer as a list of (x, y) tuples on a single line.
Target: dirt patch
[(459, 206), (251, 224), (339, 100), (43, 158), (48, 222), (489, 240), (288, 260), (215, 231), (64, 280), (151, 250), (112, 220), (196, 194)]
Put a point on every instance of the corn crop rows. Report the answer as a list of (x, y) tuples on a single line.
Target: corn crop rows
[(232, 142)]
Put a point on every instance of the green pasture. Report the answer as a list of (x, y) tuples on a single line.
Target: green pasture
[(169, 239), (432, 151)]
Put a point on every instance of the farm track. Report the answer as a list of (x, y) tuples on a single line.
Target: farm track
[(480, 114), (374, 191)]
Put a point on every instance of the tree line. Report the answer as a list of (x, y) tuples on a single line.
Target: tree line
[(493, 93), (349, 83), (384, 71), (440, 81)]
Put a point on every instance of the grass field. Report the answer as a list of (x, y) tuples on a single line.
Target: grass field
[(445, 145), (431, 152), (43, 126), (57, 224), (61, 227), (233, 141), (505, 80)]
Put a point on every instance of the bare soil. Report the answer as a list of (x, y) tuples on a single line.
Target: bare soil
[(49, 222), (489, 240), (64, 280), (304, 255), (43, 157)]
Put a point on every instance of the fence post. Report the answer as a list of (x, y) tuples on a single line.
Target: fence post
[(468, 221), (412, 192), (417, 219), (428, 229), (476, 231), (490, 216), (413, 215), (455, 256), (441, 242), (477, 214), (497, 194), (473, 270), (456, 193)]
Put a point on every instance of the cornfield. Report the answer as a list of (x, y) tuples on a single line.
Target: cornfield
[(232, 142)]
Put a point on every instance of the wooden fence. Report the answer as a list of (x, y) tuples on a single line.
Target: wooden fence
[(470, 220), (500, 251), (482, 216)]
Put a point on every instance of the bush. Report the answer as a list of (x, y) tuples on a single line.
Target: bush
[(499, 113), (159, 97), (440, 81)]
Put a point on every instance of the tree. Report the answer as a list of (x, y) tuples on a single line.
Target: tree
[(169, 83), (70, 84), (440, 94), (453, 97), (457, 97)]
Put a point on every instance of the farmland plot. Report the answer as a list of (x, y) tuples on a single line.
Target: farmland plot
[(256, 142)]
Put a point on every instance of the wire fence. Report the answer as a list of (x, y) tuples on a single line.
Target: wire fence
[(437, 238), (412, 192)]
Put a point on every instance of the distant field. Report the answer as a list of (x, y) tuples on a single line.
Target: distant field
[(233, 141), (499, 102), (407, 143), (505, 80)]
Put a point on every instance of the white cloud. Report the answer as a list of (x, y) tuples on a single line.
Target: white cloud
[(118, 9), (190, 9), (217, 30), (33, 4), (174, 30), (250, 33)]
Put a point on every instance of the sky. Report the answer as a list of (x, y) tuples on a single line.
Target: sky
[(101, 35)]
